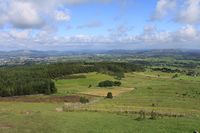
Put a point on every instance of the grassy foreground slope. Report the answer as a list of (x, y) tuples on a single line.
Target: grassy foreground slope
[(152, 92), (42, 118)]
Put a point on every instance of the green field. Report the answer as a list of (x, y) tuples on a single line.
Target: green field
[(152, 92), (73, 86)]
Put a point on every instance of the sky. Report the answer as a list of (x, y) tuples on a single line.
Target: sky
[(99, 24)]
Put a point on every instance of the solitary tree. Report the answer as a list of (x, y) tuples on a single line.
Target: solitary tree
[(109, 95)]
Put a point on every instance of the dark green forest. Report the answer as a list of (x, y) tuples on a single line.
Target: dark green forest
[(39, 79)]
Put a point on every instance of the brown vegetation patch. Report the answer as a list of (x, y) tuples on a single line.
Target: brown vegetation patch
[(59, 109), (5, 126), (27, 112), (37, 99), (103, 91)]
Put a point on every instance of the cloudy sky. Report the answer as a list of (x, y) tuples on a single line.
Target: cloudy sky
[(99, 24)]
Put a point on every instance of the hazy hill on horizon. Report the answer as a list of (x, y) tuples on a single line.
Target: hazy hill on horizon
[(146, 53)]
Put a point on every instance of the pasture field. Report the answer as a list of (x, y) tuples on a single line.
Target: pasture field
[(151, 92)]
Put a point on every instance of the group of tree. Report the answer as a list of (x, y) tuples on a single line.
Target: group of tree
[(192, 73), (167, 70), (24, 84)]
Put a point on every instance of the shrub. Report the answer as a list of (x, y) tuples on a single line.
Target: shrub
[(84, 100), (117, 83), (108, 83), (175, 76), (149, 88), (142, 115), (153, 115), (109, 95)]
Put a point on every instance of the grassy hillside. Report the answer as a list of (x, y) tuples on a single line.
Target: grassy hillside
[(152, 92)]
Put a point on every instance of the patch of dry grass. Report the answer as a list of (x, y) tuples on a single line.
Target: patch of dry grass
[(103, 91), (5, 126)]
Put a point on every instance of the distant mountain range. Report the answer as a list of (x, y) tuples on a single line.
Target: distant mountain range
[(148, 53)]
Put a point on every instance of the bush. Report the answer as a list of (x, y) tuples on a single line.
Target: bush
[(108, 83), (84, 100), (117, 83), (175, 76), (149, 88), (109, 95), (142, 115), (154, 115)]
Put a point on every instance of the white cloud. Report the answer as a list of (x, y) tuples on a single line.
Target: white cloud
[(23, 34), (62, 16), (181, 11), (26, 14), (163, 7), (185, 37), (190, 13), (23, 15), (149, 29), (29, 14), (119, 31), (188, 34)]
